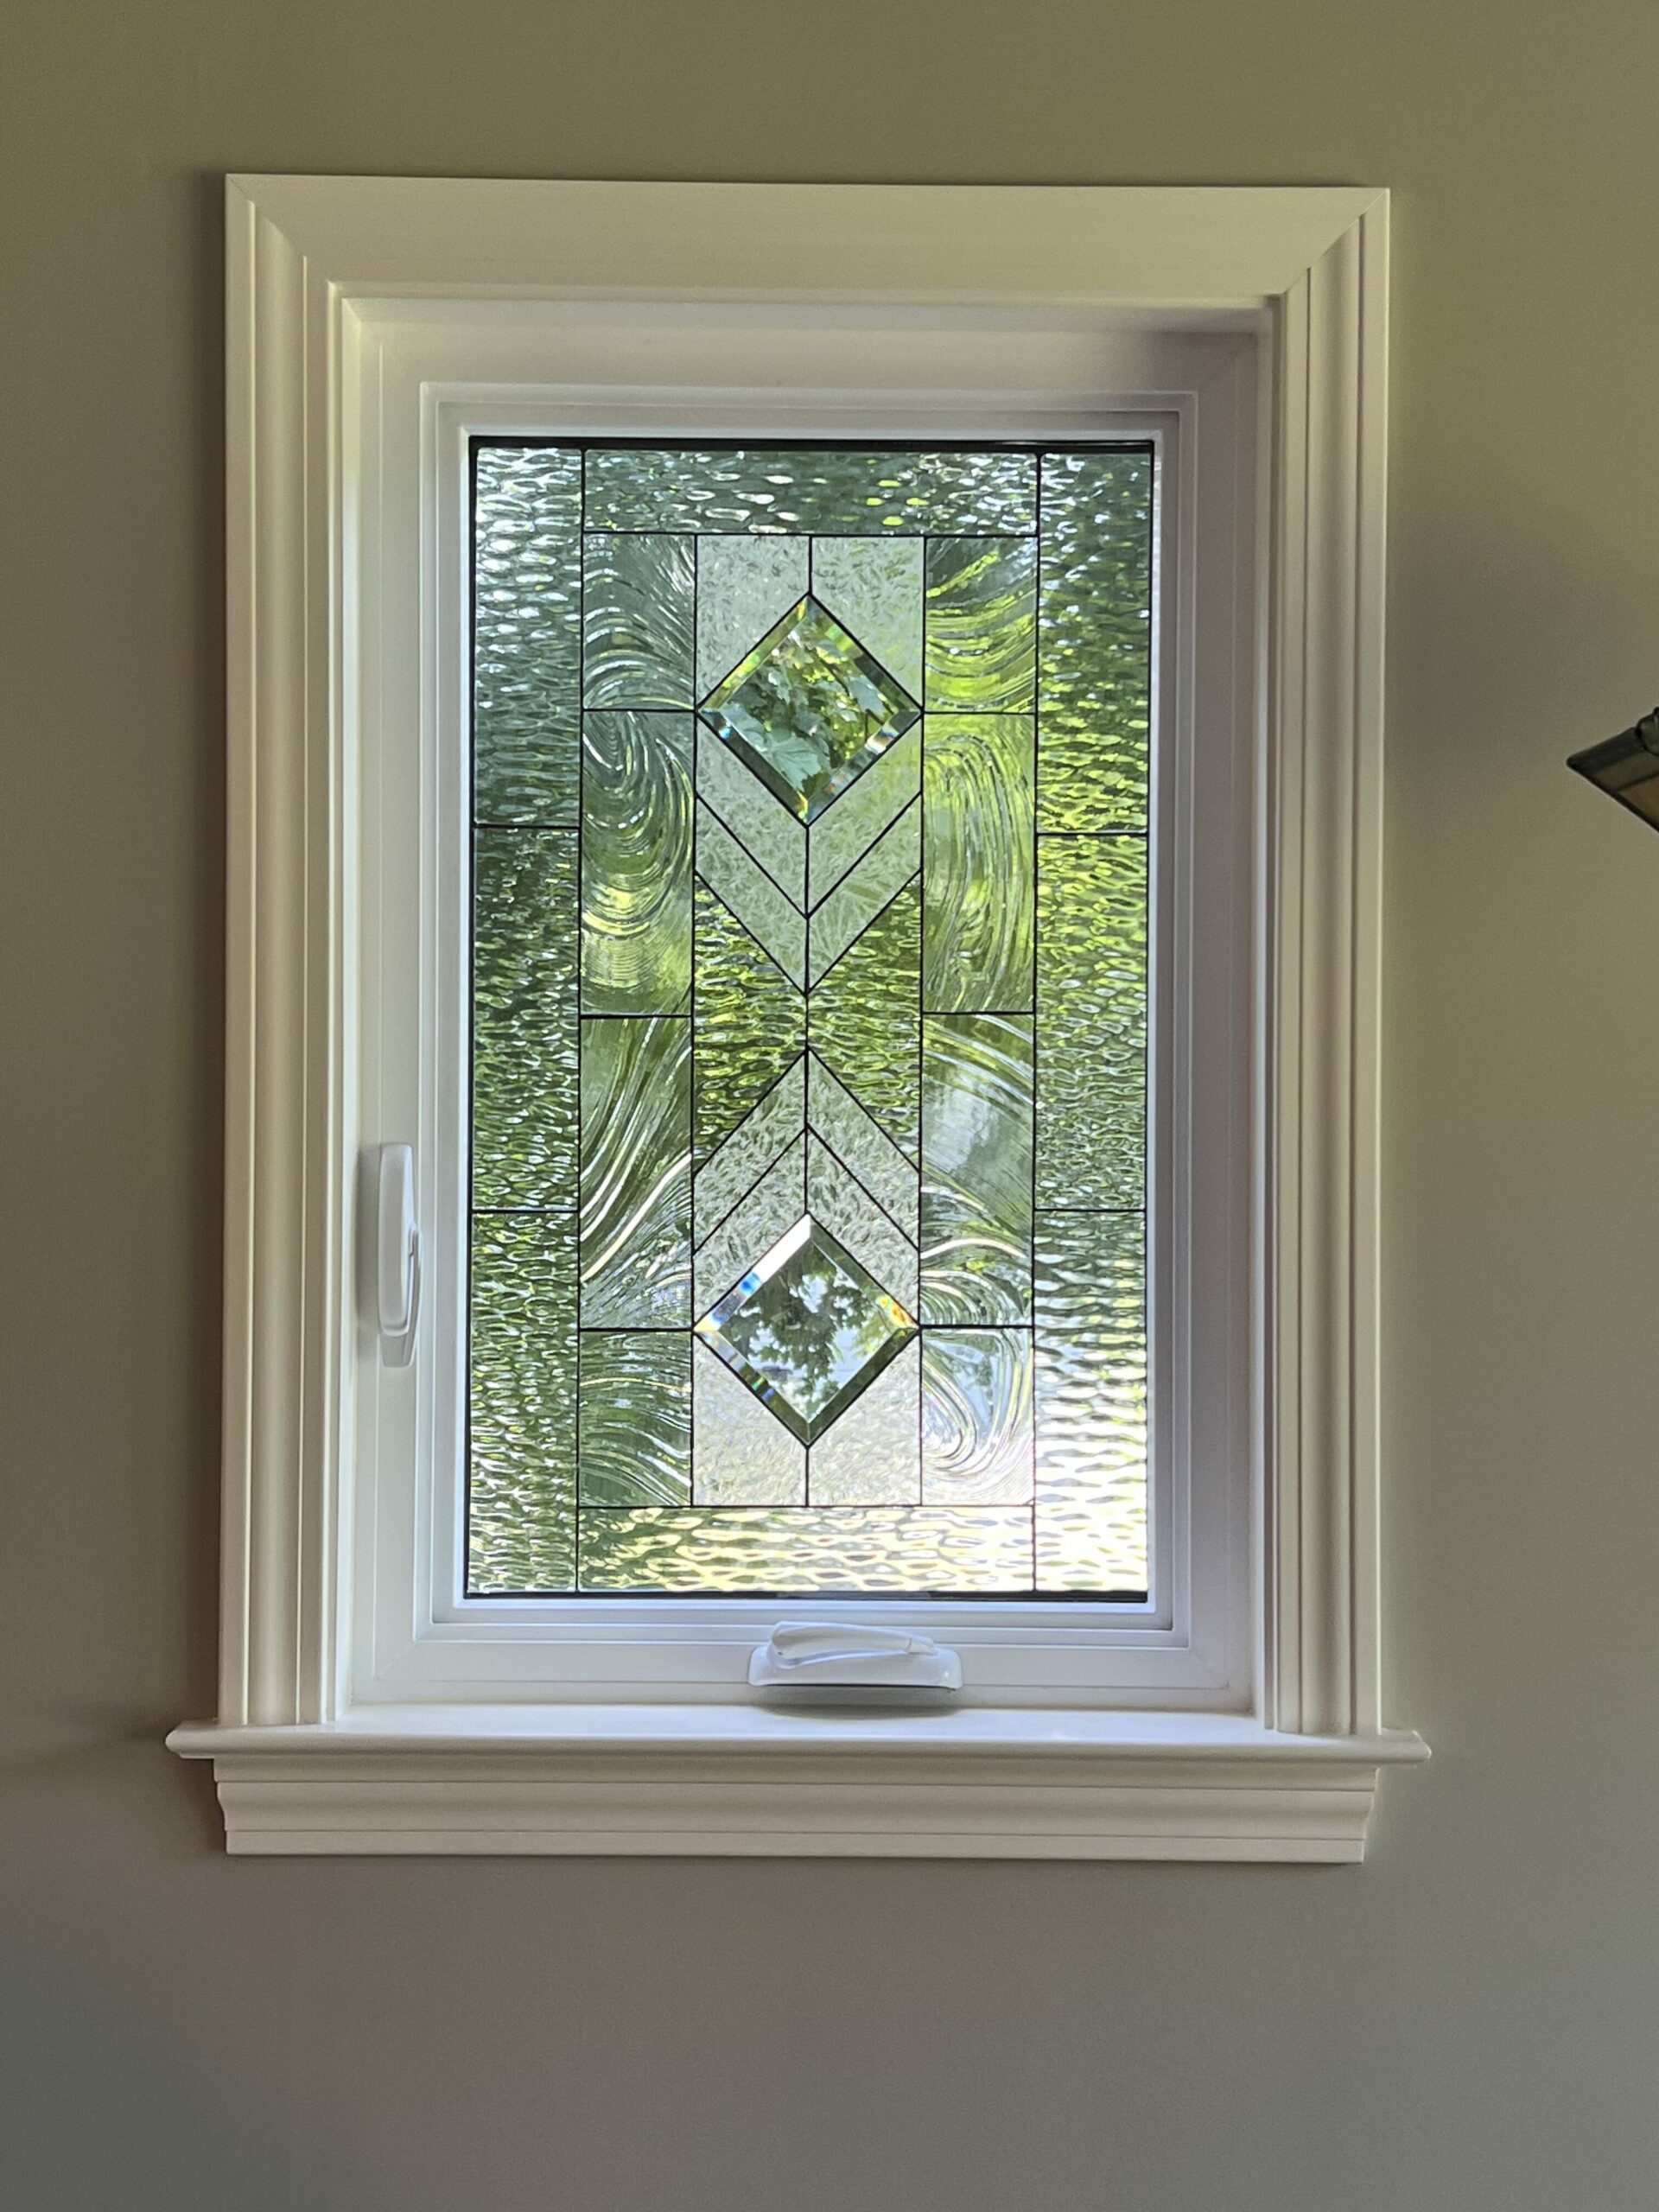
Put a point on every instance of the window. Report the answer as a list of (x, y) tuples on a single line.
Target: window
[(812, 755)]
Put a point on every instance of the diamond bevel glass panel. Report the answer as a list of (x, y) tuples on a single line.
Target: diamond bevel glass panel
[(981, 1552), (872, 1456), (979, 939), (635, 1173), (744, 586), (809, 709), (1095, 681), (807, 1329), (527, 633), (794, 490), (977, 1439), (1092, 1402), (636, 862), (1091, 1021), (759, 823), (864, 1019), (744, 1458), (524, 927), (751, 1023), (976, 1121), (635, 1399), (874, 586), (982, 625), (521, 1445), (852, 825), (638, 633)]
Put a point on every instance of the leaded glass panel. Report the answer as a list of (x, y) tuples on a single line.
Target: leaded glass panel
[(808, 1091)]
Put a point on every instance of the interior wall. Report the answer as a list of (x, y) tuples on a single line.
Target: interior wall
[(1472, 2019)]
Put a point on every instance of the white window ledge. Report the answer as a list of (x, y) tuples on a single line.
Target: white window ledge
[(746, 1782)]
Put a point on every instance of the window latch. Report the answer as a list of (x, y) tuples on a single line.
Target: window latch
[(397, 1255), (819, 1655)]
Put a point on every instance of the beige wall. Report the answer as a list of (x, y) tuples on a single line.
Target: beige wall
[(1473, 2020)]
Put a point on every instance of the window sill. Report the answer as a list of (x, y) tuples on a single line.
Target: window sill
[(749, 1782)]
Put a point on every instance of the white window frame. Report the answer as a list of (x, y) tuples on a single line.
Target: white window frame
[(374, 325)]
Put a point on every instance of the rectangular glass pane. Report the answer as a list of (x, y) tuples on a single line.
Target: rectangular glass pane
[(788, 1011)]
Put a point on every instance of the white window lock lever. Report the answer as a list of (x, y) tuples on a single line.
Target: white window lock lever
[(397, 1255), (819, 1655)]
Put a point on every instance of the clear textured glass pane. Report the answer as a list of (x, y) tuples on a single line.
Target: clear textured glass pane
[(976, 1441), (751, 1023), (759, 822), (976, 1119), (636, 863), (751, 894), (872, 1456), (846, 833), (636, 1417), (864, 891), (836, 1197), (635, 1173), (744, 1455), (1091, 1021), (776, 1117), (864, 1019), (1096, 681), (524, 926), (527, 633), (744, 585), (874, 586), (637, 625), (868, 494), (860, 1144), (521, 1457), (982, 625), (980, 939), (1092, 1402), (976, 1552), (753, 1225)]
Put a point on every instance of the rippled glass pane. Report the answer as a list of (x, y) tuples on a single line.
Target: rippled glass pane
[(636, 863), (527, 633), (764, 828), (765, 1133), (976, 1551), (743, 1455), (872, 1455), (773, 919), (874, 494), (982, 625), (1091, 1021), (859, 1143), (635, 1417), (521, 1439), (836, 1197), (744, 585), (1092, 1402), (754, 1224), (635, 1173), (874, 586), (976, 1124), (864, 891), (976, 1440), (1095, 685), (844, 836), (751, 1023), (524, 927), (638, 626), (865, 1023), (980, 939)]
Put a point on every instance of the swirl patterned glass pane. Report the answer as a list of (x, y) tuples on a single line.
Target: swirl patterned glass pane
[(786, 1012)]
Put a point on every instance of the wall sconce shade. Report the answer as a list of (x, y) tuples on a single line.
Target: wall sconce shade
[(1627, 767)]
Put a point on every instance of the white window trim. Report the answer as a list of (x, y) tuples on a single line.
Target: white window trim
[(299, 1767)]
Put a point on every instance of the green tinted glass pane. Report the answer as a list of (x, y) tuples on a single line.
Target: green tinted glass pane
[(1091, 1021), (1092, 1402), (980, 937), (527, 633), (860, 1144), (871, 494), (521, 1456), (524, 1018), (872, 1455), (765, 1131), (751, 1023), (976, 1119), (638, 629), (744, 586), (874, 586), (1095, 683), (744, 1455), (977, 1550), (976, 1445), (764, 828), (864, 1019), (636, 1417), (636, 862), (982, 625), (635, 1173)]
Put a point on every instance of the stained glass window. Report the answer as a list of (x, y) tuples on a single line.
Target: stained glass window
[(808, 1077)]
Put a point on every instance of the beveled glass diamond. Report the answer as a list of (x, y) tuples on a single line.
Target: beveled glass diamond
[(807, 1329), (809, 709)]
